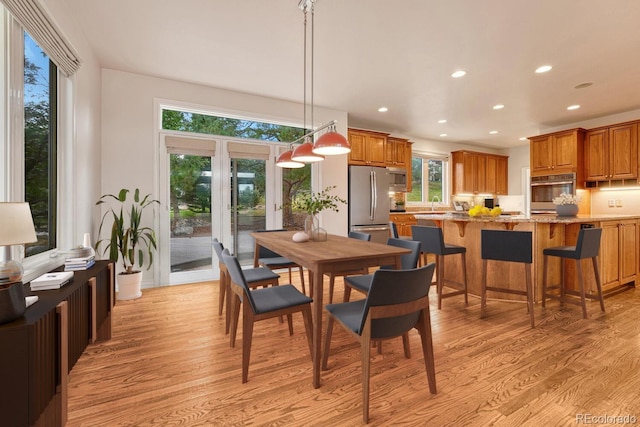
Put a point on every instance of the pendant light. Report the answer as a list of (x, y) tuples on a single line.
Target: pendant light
[(285, 161), (331, 143)]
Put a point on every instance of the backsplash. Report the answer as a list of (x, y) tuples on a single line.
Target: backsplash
[(626, 202)]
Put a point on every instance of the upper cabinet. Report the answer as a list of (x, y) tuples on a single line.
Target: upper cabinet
[(557, 153), (367, 148), (612, 153), (479, 173), (396, 152)]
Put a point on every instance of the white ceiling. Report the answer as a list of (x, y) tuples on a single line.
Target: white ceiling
[(394, 53)]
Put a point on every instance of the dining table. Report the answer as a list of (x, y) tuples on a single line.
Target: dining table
[(336, 253)]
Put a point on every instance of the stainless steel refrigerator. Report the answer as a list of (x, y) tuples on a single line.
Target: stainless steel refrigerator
[(369, 201)]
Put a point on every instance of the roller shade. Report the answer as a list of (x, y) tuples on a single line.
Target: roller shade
[(36, 20), (238, 150), (187, 145)]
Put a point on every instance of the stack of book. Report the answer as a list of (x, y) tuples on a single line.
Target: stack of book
[(75, 264), (54, 280)]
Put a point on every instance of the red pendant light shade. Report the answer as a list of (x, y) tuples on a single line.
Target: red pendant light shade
[(304, 153), (285, 161), (332, 143)]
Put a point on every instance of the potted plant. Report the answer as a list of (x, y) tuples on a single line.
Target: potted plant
[(128, 240), (567, 204), (313, 204)]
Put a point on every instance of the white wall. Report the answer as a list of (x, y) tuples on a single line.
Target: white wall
[(130, 142)]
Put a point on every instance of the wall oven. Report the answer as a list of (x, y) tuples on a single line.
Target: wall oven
[(398, 180), (546, 188)]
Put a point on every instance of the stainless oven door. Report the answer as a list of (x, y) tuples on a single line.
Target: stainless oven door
[(543, 193)]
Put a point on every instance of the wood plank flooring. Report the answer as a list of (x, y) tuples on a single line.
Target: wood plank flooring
[(169, 364)]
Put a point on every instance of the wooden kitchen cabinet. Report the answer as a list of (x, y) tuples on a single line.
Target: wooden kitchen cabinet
[(612, 153), (368, 148), (618, 254), (479, 173), (557, 153), (396, 152), (403, 222)]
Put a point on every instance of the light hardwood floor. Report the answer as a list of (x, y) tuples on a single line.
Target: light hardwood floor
[(169, 364)]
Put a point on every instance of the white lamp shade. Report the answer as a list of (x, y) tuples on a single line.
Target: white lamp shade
[(16, 224)]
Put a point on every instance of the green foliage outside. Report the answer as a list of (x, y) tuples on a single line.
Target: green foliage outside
[(434, 187)]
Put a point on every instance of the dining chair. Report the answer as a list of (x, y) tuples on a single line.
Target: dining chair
[(507, 246), (587, 246), (263, 257), (364, 270), (261, 304), (393, 230), (408, 261), (256, 277), (432, 240), (396, 303)]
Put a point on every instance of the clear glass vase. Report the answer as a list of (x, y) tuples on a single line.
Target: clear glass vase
[(310, 225)]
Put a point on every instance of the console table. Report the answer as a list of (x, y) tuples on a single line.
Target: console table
[(38, 350)]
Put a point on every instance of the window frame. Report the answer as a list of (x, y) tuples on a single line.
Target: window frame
[(425, 172)]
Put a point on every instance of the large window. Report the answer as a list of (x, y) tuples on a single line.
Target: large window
[(429, 180), (40, 171)]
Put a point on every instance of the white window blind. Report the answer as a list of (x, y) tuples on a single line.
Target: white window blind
[(37, 21), (189, 145), (238, 150)]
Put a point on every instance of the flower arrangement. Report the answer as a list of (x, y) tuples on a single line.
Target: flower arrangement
[(566, 199), (314, 203)]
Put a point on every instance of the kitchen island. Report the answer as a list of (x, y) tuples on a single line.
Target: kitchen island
[(619, 257)]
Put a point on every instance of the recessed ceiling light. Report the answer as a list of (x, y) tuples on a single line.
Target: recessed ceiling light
[(543, 69), (573, 107), (524, 138), (383, 109), (457, 74), (443, 135), (582, 85), (498, 107), (493, 132), (442, 121)]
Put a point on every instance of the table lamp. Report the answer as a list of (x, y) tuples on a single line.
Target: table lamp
[(16, 228)]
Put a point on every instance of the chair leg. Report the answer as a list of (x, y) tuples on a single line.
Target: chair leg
[(365, 352), (290, 322), (247, 335), (439, 278), (527, 273), (229, 300), (464, 277), (596, 271), (424, 327), (327, 343), (405, 344), (347, 293), (222, 294), (581, 284), (332, 280), (562, 284), (308, 327), (235, 315), (545, 267), (304, 291), (483, 291)]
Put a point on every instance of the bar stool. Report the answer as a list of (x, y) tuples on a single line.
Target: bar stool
[(432, 242), (587, 246), (510, 246)]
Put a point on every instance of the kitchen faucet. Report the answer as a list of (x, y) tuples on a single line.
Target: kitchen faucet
[(433, 200)]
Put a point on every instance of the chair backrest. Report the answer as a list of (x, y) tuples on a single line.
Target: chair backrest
[(218, 248), (394, 230), (431, 238), (237, 276), (397, 288), (360, 236), (506, 245), (588, 244), (264, 252), (409, 260)]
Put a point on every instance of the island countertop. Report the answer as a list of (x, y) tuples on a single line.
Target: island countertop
[(535, 218)]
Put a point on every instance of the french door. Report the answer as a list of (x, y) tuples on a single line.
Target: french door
[(213, 187)]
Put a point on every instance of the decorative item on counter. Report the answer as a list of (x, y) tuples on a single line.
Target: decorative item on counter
[(313, 204), (483, 211), (567, 204)]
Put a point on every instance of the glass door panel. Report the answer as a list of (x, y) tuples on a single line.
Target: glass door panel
[(190, 204)]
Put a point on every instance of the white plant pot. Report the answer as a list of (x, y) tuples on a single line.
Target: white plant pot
[(129, 286)]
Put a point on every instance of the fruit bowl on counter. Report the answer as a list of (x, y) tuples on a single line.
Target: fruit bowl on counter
[(479, 211)]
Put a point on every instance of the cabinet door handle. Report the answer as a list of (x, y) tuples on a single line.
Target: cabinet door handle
[(62, 312)]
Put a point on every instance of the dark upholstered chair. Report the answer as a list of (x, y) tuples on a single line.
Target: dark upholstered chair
[(396, 303), (364, 270), (393, 230), (409, 261), (432, 241), (255, 277), (510, 246), (261, 304), (587, 246), (267, 258)]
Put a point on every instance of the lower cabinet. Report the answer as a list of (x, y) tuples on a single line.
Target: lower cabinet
[(46, 343), (403, 222), (618, 253)]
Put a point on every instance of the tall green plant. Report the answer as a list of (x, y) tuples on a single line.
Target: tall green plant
[(314, 203), (128, 240)]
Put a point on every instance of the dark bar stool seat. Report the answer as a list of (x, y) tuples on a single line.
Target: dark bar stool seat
[(510, 246), (587, 246), (432, 242)]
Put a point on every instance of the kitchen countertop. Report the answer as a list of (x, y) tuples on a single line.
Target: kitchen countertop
[(537, 218)]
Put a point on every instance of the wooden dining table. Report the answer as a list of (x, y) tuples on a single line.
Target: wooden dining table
[(337, 253)]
